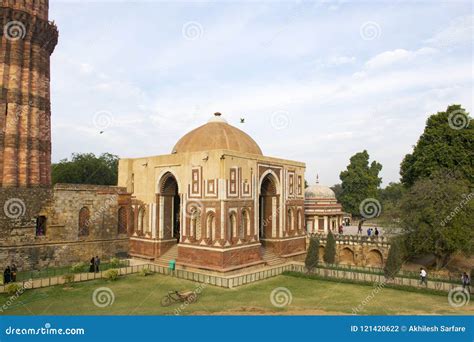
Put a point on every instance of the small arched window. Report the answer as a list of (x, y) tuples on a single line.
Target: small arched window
[(196, 223), (211, 226), (232, 226), (291, 220), (300, 220), (84, 221), (41, 226), (244, 225), (122, 220), (141, 219)]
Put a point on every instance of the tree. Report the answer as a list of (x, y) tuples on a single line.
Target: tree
[(86, 168), (337, 188), (390, 198), (394, 260), (438, 216), (446, 143), (312, 256), (359, 182), (330, 249)]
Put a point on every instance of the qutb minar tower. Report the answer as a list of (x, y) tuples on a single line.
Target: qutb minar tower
[(27, 42)]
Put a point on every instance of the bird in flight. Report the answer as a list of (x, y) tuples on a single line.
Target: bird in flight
[(242, 120)]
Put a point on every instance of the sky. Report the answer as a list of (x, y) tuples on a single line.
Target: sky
[(316, 81)]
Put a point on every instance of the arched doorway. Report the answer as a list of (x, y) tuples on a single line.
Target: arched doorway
[(374, 259), (268, 211), (170, 207), (346, 257)]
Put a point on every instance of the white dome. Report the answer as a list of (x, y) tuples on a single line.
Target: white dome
[(319, 191)]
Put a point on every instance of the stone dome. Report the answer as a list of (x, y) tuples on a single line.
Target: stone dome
[(217, 134), (319, 191)]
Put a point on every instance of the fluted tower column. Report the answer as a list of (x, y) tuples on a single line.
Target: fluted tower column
[(27, 41)]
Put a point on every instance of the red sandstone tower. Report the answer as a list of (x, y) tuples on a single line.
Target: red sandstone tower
[(27, 42)]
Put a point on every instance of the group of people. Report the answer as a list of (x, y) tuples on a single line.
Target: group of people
[(465, 280), (94, 264), (9, 275), (370, 231)]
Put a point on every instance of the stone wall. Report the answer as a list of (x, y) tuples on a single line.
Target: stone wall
[(357, 250), (60, 243)]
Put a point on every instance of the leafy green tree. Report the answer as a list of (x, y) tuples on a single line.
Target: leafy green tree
[(394, 260), (438, 217), (86, 168), (330, 249), (390, 198), (446, 143), (337, 188), (359, 182), (312, 256)]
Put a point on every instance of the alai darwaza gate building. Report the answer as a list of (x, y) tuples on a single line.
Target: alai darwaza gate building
[(218, 198)]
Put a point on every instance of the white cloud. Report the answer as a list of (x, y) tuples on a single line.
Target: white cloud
[(396, 56)]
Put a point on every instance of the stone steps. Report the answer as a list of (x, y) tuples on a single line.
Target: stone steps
[(271, 259), (171, 254)]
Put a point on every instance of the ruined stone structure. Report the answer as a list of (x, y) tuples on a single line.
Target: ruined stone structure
[(218, 199), (357, 250), (39, 225)]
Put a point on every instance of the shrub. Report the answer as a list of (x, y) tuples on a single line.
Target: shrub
[(115, 262), (312, 256), (394, 260), (330, 249), (145, 271), (14, 288), (68, 278), (111, 275), (79, 267)]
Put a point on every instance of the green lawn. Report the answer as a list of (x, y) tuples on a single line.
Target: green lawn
[(138, 295)]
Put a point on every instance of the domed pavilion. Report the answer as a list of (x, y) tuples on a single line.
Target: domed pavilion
[(216, 199), (322, 211)]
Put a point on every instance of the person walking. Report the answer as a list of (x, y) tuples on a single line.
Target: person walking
[(92, 265), (97, 264), (369, 232), (423, 276), (376, 232), (466, 282), (7, 275), (13, 273), (359, 230)]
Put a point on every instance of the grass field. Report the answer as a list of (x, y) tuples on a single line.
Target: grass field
[(138, 295)]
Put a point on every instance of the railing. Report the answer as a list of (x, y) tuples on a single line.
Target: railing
[(59, 271), (353, 238)]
